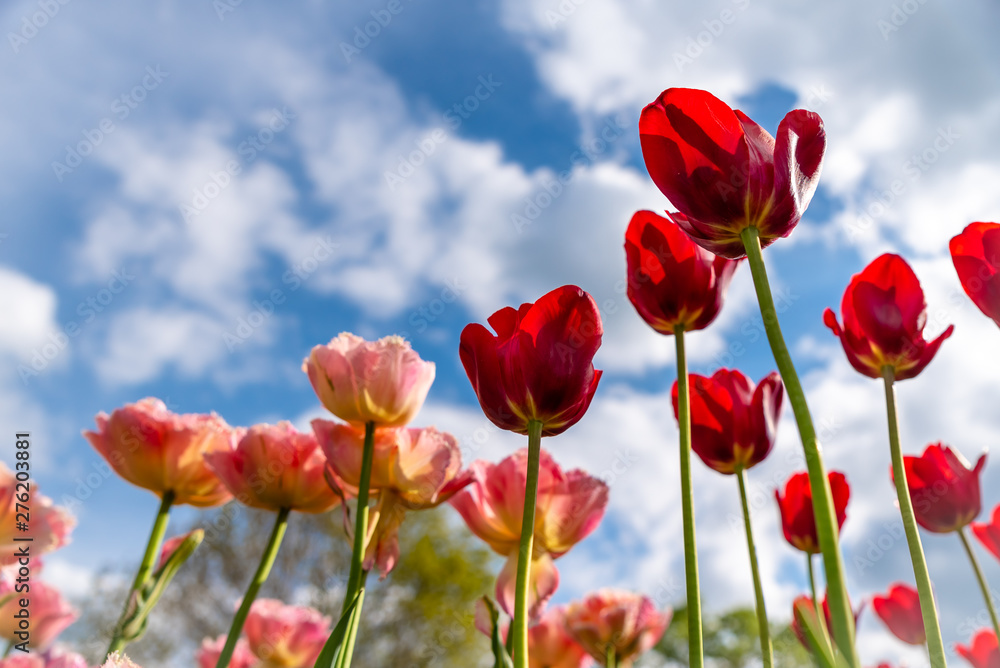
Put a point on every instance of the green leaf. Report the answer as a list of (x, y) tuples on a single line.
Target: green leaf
[(329, 653), (806, 615), (501, 659)]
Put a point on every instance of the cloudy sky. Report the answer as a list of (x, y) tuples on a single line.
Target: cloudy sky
[(196, 193)]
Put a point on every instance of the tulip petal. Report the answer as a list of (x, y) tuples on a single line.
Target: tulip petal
[(543, 580)]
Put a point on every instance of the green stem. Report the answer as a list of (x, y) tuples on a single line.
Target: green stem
[(935, 646), (982, 581), (346, 655), (10, 646), (695, 642), (766, 651), (818, 604), (611, 659), (266, 561), (519, 625), (826, 518), (153, 545)]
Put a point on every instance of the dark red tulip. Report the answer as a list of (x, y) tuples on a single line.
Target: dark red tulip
[(899, 609), (983, 652), (539, 366), (725, 173), (944, 490), (733, 423), (884, 315), (976, 254), (671, 280), (988, 533), (804, 604), (797, 518)]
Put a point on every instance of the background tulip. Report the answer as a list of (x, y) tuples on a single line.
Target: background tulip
[(50, 612), (539, 366), (884, 315), (733, 422), (614, 620), (549, 643), (50, 525), (285, 635), (976, 254), (161, 451), (119, 660), (274, 467), (208, 654), (671, 280), (797, 519), (360, 381), (725, 173), (982, 652), (807, 604), (988, 533), (944, 489), (899, 609)]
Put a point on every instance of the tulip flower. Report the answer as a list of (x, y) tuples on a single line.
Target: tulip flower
[(549, 643), (50, 613), (725, 173), (733, 422), (989, 533), (983, 652), (899, 609), (412, 469), (539, 366), (119, 660), (275, 467), (570, 506), (53, 658), (616, 627), (803, 604), (49, 527), (944, 489), (208, 654), (161, 451), (672, 282), (976, 254), (797, 520), (384, 381), (884, 315), (285, 635)]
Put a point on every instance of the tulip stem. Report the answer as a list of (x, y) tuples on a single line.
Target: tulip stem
[(817, 604), (696, 650), (928, 609), (822, 497), (766, 651), (118, 641), (987, 596), (524, 553), (611, 660), (357, 576), (266, 561)]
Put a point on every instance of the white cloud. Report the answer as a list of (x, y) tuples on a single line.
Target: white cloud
[(29, 311)]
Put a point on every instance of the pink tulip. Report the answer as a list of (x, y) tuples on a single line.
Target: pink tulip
[(360, 381), (612, 619), (49, 527), (161, 451), (285, 635), (118, 660), (50, 612), (208, 654), (53, 658), (275, 467), (569, 507), (549, 643)]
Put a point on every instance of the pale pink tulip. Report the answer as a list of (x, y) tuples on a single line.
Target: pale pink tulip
[(275, 467), (161, 451), (118, 660), (285, 635), (56, 657), (208, 654), (612, 619), (549, 643), (49, 613), (570, 505), (360, 381), (49, 527)]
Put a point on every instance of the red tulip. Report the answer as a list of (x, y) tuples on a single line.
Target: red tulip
[(976, 254), (804, 604), (944, 490), (797, 518), (989, 533), (733, 423), (983, 652), (884, 315), (899, 608), (540, 364), (671, 280), (628, 622), (725, 173)]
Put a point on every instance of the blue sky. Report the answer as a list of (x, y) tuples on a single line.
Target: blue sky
[(279, 128)]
